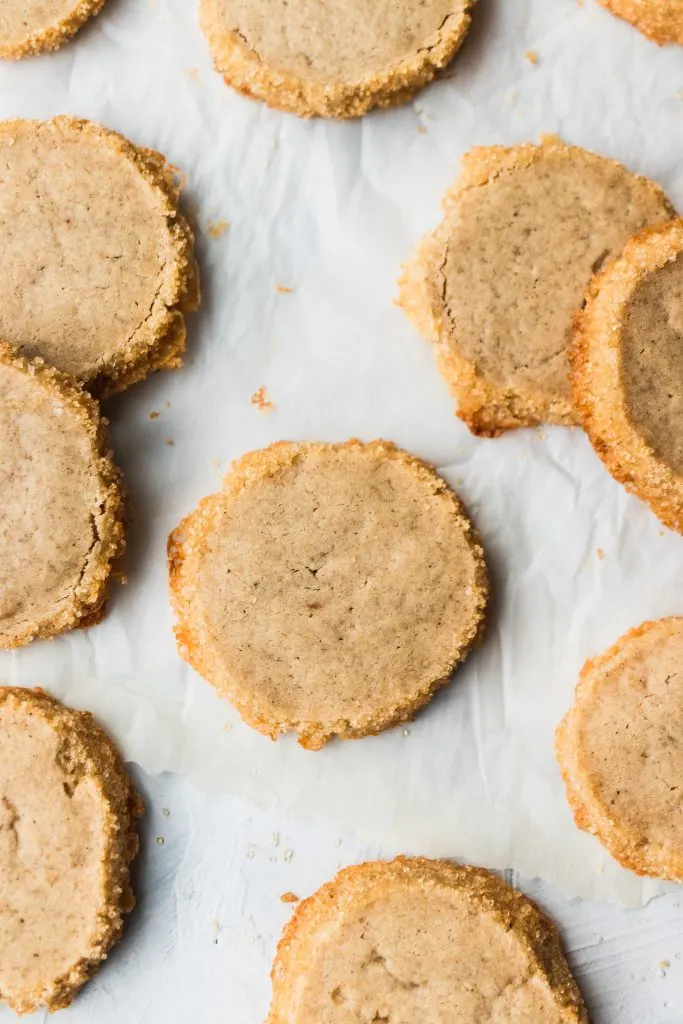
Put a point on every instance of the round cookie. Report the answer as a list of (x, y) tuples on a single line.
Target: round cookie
[(334, 59), (98, 265), (659, 20), (28, 27), (426, 940), (329, 589), (67, 835), (627, 369), (60, 503), (620, 749), (497, 284)]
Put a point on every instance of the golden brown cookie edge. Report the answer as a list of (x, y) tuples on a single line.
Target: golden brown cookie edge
[(654, 24), (54, 36)]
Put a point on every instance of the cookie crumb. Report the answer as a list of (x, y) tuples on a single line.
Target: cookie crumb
[(421, 130), (154, 415), (288, 854), (193, 73), (600, 554), (406, 732), (170, 442), (160, 840), (217, 228), (283, 289), (531, 56), (289, 897), (261, 400)]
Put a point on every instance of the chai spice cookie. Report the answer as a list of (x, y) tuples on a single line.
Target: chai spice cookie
[(659, 20), (61, 504), (28, 27), (421, 940), (334, 59), (68, 816), (98, 268), (328, 589), (627, 369), (620, 749), (497, 284)]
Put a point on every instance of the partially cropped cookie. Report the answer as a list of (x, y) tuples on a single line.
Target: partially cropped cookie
[(28, 27), (61, 505), (497, 284), (98, 268), (327, 590), (67, 835), (627, 369), (421, 940), (659, 20), (620, 749), (333, 59)]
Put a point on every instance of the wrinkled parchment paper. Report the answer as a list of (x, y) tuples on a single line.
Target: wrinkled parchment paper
[(329, 211)]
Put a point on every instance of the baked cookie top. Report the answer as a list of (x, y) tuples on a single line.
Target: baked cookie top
[(98, 265), (67, 835), (620, 749), (659, 20), (329, 589), (497, 284), (627, 369), (333, 59), (60, 503), (28, 27), (425, 940)]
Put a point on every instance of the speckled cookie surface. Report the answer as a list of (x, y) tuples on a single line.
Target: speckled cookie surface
[(67, 836), (659, 20), (620, 749), (28, 27), (627, 369), (98, 265), (328, 589), (60, 503), (333, 59), (497, 284), (421, 940)]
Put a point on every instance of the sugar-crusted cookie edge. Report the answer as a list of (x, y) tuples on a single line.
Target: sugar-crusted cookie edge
[(55, 35), (243, 69), (85, 605), (595, 373), (488, 409), (96, 758), (159, 340), (589, 812), (515, 912), (652, 20), (251, 470)]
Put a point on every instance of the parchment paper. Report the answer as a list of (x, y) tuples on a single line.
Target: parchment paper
[(330, 211)]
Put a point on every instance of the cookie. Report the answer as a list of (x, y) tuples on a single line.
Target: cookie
[(620, 749), (28, 27), (627, 369), (67, 835), (659, 20), (98, 266), (61, 505), (421, 940), (335, 59), (329, 589), (497, 284)]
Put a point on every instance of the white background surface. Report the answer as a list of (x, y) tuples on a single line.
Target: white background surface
[(331, 210)]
